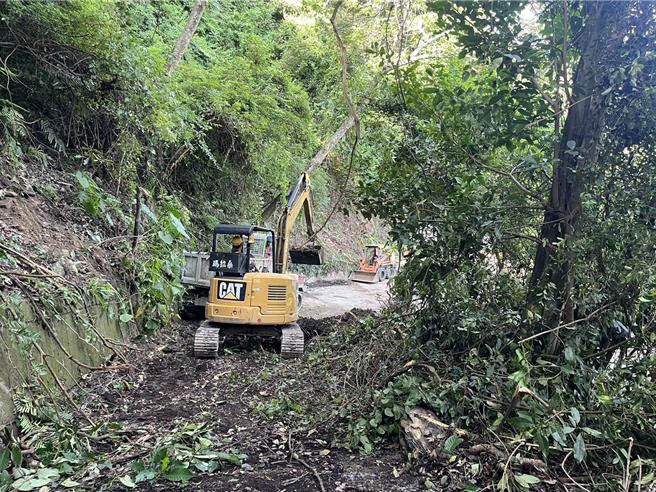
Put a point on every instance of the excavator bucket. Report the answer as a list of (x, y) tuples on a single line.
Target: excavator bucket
[(366, 277), (307, 255)]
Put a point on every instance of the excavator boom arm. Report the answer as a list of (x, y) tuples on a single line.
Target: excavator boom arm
[(298, 200)]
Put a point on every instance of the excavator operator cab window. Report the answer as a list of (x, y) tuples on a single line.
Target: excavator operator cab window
[(237, 250), (262, 252), (230, 256)]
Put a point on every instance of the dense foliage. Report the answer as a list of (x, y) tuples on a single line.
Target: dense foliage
[(524, 190), (508, 145), (86, 90)]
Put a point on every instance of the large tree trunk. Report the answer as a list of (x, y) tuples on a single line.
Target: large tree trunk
[(328, 147), (185, 38), (575, 157)]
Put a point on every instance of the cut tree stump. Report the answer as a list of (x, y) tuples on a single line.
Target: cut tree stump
[(424, 434)]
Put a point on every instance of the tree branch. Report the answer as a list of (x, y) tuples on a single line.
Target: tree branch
[(185, 38)]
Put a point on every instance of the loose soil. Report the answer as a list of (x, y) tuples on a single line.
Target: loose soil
[(167, 386)]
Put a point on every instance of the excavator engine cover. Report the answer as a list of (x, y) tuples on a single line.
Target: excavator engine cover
[(307, 255)]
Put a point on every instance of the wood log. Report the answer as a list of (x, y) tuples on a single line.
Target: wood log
[(424, 434)]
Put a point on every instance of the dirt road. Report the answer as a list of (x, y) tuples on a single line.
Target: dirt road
[(242, 398), (333, 300)]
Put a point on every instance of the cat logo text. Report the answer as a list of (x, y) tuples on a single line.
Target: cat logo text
[(232, 291)]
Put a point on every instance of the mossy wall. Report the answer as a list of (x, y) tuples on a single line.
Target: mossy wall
[(19, 358)]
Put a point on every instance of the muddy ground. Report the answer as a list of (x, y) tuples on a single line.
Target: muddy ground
[(168, 386), (173, 386), (324, 299)]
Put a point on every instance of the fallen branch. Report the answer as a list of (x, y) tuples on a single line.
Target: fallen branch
[(47, 273), (314, 472), (479, 449), (566, 325), (67, 395), (27, 261), (28, 275), (562, 465), (44, 358), (53, 335), (409, 366), (294, 456)]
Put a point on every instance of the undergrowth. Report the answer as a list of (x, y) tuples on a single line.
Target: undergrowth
[(367, 375)]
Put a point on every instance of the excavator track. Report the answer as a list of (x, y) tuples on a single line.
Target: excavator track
[(206, 342), (292, 342)]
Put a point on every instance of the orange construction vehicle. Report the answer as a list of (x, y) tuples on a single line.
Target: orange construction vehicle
[(377, 264)]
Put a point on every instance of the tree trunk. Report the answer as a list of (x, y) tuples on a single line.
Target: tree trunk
[(330, 144), (575, 157), (137, 219), (185, 38)]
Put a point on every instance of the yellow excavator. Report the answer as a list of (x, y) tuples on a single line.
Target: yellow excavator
[(258, 297)]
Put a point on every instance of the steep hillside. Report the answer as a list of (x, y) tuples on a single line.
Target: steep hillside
[(40, 217)]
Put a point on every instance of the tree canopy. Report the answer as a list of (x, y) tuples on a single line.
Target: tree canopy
[(508, 146)]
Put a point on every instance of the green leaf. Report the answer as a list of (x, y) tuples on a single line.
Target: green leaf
[(575, 416), (127, 481), (5, 456), (366, 444), (179, 473), (526, 481), (165, 237), (164, 465), (30, 483), (149, 213), (83, 180), (159, 455), (126, 317), (179, 226), (235, 459), (16, 456), (579, 449), (569, 354), (144, 476), (50, 473), (592, 432), (452, 443)]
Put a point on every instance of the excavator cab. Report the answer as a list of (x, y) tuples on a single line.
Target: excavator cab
[(239, 249)]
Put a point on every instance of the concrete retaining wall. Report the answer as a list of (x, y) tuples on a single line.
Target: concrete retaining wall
[(76, 337)]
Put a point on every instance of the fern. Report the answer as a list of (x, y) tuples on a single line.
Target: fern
[(24, 404), (52, 137)]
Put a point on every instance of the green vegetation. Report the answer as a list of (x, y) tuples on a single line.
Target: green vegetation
[(86, 91), (508, 145), (525, 194)]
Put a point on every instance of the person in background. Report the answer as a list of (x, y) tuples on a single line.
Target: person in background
[(267, 248)]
